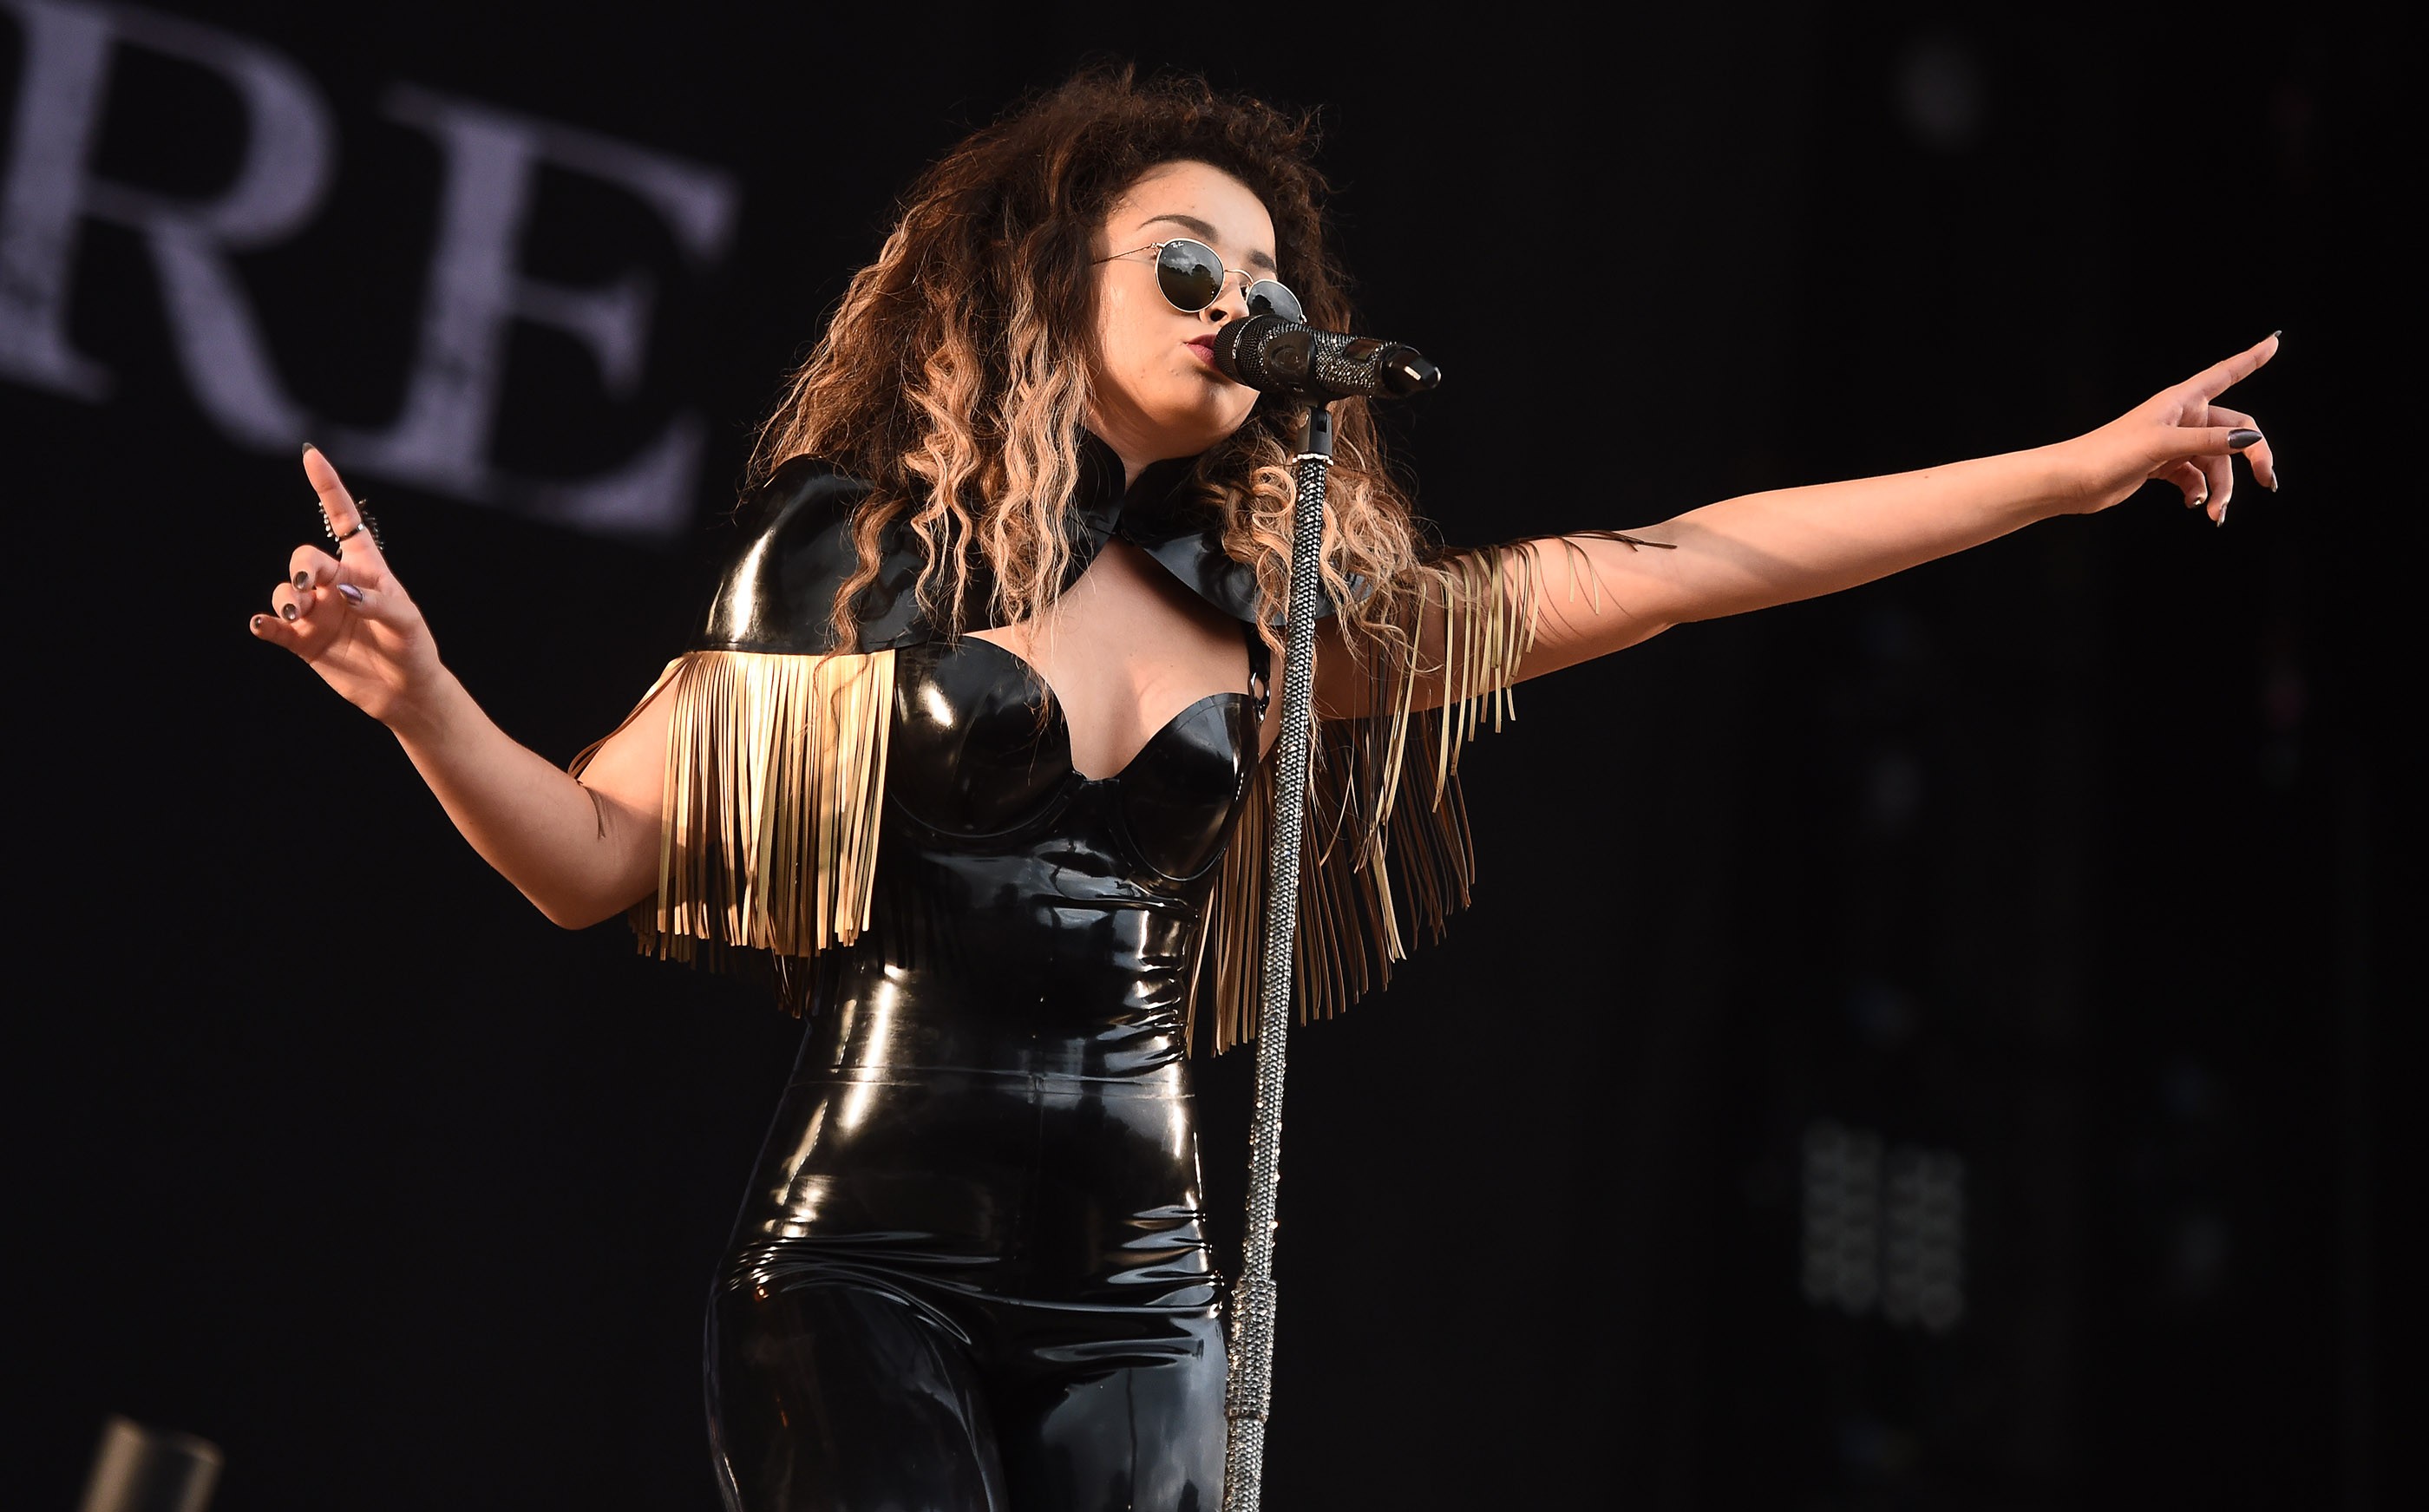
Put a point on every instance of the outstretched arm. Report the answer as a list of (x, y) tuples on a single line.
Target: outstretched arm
[(1596, 595), (581, 850)]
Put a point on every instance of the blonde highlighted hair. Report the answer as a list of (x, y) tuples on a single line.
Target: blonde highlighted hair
[(955, 377)]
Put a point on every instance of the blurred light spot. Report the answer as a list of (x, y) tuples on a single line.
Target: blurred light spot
[(1883, 1226), (1941, 97), (1842, 1217), (1924, 1238)]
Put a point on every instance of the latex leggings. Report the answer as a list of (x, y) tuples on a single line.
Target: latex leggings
[(966, 1277)]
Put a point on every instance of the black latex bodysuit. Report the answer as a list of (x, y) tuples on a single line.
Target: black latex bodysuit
[(970, 1270)]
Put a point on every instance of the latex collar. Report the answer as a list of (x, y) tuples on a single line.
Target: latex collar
[(778, 592)]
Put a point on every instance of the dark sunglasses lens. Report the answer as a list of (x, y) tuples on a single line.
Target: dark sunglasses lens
[(1265, 297), (1190, 274)]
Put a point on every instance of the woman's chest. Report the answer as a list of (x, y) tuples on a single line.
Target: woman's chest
[(1124, 651), (980, 758)]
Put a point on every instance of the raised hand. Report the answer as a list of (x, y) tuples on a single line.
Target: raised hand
[(347, 615), (2180, 435)]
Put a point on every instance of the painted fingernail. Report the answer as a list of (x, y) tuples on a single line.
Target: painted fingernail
[(2239, 438), (2274, 335), (255, 625), (287, 612), (2222, 512), (350, 593), (304, 582), (310, 449)]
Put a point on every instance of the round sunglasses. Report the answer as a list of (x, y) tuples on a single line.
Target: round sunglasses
[(1191, 277)]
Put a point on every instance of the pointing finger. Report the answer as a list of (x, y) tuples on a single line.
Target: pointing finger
[(335, 501), (337, 507), (2219, 377)]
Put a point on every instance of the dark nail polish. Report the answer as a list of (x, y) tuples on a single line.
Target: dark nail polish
[(255, 625), (350, 593), (310, 449), (2274, 335), (304, 582), (2221, 513), (2237, 440), (287, 612)]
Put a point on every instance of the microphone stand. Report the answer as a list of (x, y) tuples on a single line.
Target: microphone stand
[(1247, 1390)]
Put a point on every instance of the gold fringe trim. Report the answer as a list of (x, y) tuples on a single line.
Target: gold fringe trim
[(775, 772), (1374, 846), (775, 775)]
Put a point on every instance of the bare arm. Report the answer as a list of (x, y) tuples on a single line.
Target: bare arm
[(580, 849), (1600, 594), (1759, 550)]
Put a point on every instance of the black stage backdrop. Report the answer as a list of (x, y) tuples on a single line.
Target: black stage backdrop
[(1909, 1049)]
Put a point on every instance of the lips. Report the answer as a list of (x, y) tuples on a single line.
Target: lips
[(1205, 346)]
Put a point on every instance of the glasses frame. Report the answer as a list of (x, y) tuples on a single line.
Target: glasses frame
[(1249, 285)]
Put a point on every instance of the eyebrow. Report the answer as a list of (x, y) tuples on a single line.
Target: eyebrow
[(1207, 233)]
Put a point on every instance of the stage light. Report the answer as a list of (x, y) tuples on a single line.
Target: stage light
[(1882, 1227)]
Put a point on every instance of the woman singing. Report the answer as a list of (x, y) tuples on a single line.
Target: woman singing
[(965, 759)]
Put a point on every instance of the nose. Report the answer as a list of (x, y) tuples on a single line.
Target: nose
[(1233, 304)]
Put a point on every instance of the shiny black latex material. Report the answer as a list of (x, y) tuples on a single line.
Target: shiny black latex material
[(797, 551), (971, 1270)]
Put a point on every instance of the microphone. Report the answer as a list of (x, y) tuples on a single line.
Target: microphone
[(1278, 356)]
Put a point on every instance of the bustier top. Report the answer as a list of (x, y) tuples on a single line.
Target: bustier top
[(980, 762), (1061, 912), (917, 786)]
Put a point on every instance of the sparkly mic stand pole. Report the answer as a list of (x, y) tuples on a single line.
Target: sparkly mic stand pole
[(1248, 1389)]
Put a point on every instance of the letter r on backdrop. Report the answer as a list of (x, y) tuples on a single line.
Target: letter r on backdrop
[(442, 438), (48, 191)]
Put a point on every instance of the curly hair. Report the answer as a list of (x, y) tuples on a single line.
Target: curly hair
[(957, 374)]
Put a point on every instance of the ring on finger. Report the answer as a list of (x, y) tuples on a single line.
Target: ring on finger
[(364, 521)]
